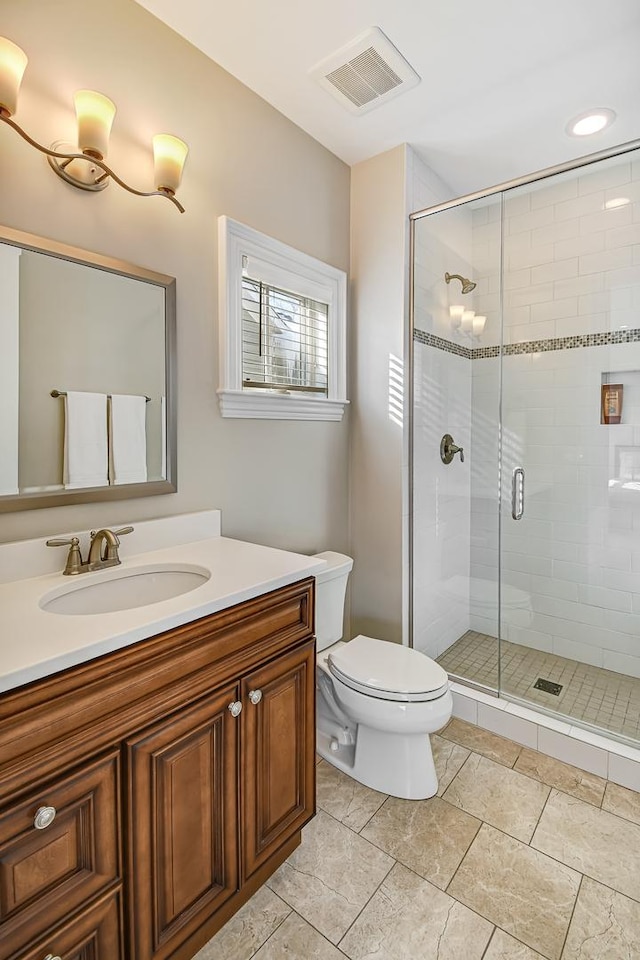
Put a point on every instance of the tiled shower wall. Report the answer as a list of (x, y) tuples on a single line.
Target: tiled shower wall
[(571, 568), (441, 499), (442, 404), (571, 266)]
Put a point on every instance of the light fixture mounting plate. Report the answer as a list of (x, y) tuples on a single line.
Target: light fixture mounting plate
[(79, 172)]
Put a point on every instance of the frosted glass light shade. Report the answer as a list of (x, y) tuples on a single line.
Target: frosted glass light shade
[(169, 155), (478, 325), (467, 320), (95, 114), (13, 62)]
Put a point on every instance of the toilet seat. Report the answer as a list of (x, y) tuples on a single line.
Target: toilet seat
[(387, 671)]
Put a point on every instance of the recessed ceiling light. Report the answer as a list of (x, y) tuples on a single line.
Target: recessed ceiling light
[(592, 122), (616, 202)]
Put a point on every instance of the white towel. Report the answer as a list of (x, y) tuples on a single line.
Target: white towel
[(85, 440), (163, 440), (128, 439)]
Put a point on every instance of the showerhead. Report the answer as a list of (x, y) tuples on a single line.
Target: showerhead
[(467, 285)]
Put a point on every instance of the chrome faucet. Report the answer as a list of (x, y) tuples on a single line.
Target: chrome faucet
[(103, 551)]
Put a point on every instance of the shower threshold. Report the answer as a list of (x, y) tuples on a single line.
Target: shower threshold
[(590, 695)]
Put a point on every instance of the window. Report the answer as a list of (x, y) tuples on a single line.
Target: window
[(282, 330), (284, 339)]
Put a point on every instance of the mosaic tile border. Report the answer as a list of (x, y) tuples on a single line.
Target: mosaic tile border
[(573, 343), (529, 346), (483, 353), (430, 340)]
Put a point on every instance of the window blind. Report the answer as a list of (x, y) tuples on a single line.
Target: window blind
[(284, 339)]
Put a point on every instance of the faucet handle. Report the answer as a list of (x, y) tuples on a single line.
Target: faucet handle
[(74, 559), (117, 533)]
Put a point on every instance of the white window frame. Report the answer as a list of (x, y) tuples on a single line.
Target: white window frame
[(296, 271)]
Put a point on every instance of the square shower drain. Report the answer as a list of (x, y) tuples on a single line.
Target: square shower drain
[(547, 686)]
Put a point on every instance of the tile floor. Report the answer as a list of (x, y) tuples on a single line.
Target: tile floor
[(591, 694), (519, 857)]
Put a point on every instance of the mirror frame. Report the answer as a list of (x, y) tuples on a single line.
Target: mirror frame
[(59, 498)]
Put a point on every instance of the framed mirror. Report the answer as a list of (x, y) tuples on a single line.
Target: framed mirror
[(75, 326)]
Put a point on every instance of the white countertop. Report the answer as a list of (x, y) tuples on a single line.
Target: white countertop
[(35, 643)]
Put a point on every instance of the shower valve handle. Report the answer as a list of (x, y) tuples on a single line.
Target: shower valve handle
[(448, 449)]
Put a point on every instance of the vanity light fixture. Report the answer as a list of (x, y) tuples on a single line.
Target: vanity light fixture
[(466, 322), (455, 314), (478, 325), (85, 167)]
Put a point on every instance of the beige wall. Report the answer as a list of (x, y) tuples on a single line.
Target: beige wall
[(283, 483), (378, 271)]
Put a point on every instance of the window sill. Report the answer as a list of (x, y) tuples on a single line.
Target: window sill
[(278, 406)]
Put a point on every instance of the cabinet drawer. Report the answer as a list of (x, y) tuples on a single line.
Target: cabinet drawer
[(95, 934), (47, 873)]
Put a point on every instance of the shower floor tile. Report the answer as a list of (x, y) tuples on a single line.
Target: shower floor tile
[(591, 694)]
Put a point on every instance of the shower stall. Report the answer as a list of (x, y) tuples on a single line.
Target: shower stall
[(525, 452)]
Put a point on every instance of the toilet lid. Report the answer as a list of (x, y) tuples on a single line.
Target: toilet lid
[(388, 670)]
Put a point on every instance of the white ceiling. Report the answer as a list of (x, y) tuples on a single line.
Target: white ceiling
[(499, 78)]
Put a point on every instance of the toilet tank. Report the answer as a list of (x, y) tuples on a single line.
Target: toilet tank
[(331, 587)]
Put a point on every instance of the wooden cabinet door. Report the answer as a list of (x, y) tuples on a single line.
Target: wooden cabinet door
[(277, 754), (182, 812), (59, 848), (94, 935)]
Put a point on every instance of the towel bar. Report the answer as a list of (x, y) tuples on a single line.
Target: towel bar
[(62, 393)]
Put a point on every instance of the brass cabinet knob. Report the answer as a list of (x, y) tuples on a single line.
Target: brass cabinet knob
[(255, 696), (235, 708), (44, 817)]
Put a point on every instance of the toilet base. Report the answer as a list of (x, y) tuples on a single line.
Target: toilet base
[(401, 765), (383, 744), (398, 765)]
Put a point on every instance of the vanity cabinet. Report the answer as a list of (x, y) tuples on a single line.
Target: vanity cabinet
[(181, 770)]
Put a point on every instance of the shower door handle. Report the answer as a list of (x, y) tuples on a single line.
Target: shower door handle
[(517, 494)]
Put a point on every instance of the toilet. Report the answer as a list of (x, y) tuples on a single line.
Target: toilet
[(376, 702)]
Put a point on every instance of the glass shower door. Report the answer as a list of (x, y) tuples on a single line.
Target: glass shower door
[(570, 448)]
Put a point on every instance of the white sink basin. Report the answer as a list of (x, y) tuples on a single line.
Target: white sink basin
[(124, 589)]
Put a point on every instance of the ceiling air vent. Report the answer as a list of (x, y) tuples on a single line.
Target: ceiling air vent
[(366, 73)]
